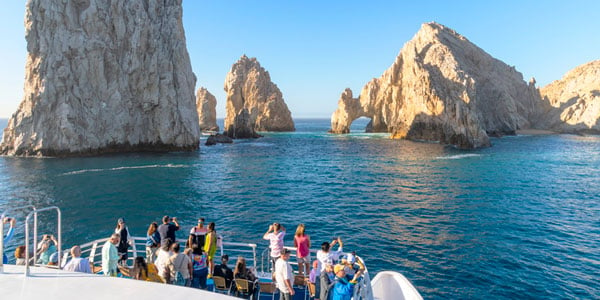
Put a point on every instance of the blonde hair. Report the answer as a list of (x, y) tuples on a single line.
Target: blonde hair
[(300, 230)]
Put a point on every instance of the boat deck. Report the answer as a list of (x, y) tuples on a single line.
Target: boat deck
[(50, 284)]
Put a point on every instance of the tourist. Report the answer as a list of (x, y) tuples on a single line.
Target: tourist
[(275, 236), (349, 265), (315, 277), (46, 248), (110, 256), (123, 244), (9, 235), (152, 242), (140, 269), (210, 247), (343, 288), (167, 230), (199, 267), (326, 280), (197, 234), (326, 255), (162, 259), (284, 276), (20, 256), (77, 263), (223, 270), (302, 244), (242, 272), (180, 267)]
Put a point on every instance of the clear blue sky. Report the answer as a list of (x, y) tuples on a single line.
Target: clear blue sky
[(315, 49)]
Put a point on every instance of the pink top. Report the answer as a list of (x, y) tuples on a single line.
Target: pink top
[(301, 242)]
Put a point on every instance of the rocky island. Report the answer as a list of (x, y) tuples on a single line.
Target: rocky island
[(254, 102), (104, 76), (444, 88), (207, 110)]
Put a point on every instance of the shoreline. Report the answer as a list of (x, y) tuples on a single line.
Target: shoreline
[(534, 132)]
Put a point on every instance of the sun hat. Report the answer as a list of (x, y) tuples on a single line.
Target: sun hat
[(337, 268)]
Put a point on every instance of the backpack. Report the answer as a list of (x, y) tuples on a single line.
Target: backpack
[(178, 278)]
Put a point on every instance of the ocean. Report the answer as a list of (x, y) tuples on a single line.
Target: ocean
[(520, 219)]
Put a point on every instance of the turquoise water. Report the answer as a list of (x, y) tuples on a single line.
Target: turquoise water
[(518, 220)]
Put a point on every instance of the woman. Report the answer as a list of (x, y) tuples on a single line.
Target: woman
[(123, 244), (210, 247), (20, 256), (46, 248), (302, 244), (140, 269), (199, 267), (152, 242), (241, 272)]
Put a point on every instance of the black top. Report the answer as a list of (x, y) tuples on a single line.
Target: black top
[(123, 245), (224, 271), (167, 231)]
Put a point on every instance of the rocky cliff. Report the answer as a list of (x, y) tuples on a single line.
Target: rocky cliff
[(207, 110), (442, 87), (254, 103), (104, 76), (574, 101)]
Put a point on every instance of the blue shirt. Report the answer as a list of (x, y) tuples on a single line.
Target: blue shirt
[(155, 242), (7, 239), (342, 290)]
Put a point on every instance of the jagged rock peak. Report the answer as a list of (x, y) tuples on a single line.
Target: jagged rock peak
[(575, 100), (104, 76), (441, 87), (207, 110), (254, 103)]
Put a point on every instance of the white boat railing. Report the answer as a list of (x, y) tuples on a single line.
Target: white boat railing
[(59, 226), (93, 250), (2, 230)]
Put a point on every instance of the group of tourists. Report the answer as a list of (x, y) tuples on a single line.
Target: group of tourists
[(332, 281), (333, 274)]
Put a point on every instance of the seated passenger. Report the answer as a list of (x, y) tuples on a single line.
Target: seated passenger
[(46, 248), (77, 263), (314, 278), (224, 271), (242, 272), (140, 269), (20, 256)]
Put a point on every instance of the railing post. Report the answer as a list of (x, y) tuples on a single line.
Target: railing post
[(2, 232), (35, 231)]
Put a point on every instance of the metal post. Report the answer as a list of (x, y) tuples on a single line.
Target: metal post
[(2, 232), (27, 234)]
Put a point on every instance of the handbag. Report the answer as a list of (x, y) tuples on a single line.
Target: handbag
[(178, 278)]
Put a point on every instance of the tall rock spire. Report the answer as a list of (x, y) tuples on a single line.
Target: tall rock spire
[(104, 76)]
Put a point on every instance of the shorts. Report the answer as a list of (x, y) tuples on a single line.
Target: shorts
[(305, 259)]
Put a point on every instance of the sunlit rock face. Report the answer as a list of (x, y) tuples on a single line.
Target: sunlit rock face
[(254, 103), (442, 87), (104, 76), (574, 101), (207, 110)]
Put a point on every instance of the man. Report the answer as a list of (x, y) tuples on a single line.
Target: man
[(197, 235), (9, 235), (223, 270), (78, 264), (284, 276), (327, 256), (110, 256), (344, 288), (180, 263), (167, 230), (275, 236)]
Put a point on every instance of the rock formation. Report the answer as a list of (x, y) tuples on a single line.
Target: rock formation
[(104, 76), (218, 138), (442, 87), (254, 103), (574, 101), (207, 110)]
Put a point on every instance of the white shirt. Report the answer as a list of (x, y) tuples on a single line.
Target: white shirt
[(328, 257), (78, 264), (283, 271), (276, 243), (162, 259)]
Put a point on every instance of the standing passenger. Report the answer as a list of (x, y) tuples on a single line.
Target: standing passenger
[(275, 236), (328, 256), (152, 242), (302, 244), (180, 263), (110, 256), (210, 247), (284, 276), (197, 235), (199, 267), (123, 244), (167, 230)]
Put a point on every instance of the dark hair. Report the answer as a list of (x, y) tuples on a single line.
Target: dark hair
[(240, 267), (211, 226), (225, 257), (325, 246), (165, 244), (139, 268), (175, 247), (166, 219), (196, 249)]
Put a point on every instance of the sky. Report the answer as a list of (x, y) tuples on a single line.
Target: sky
[(313, 50)]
